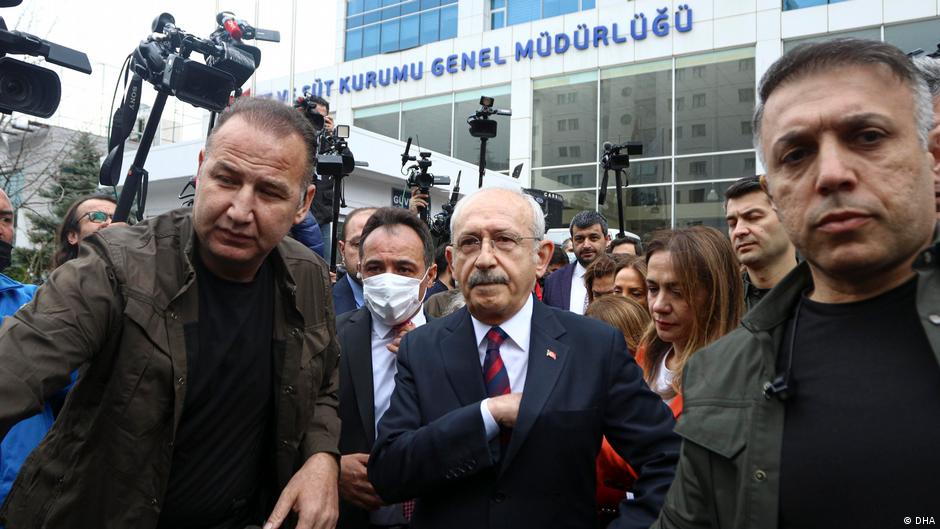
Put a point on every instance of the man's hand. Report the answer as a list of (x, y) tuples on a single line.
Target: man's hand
[(332, 277), (394, 344), (312, 494), (505, 409), (328, 123), (417, 200), (354, 484)]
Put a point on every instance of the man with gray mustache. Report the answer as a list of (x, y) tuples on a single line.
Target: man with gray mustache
[(499, 408)]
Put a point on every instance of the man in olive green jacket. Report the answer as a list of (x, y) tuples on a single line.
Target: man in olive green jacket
[(820, 409), (130, 314)]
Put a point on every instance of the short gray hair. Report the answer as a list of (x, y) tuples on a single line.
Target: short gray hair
[(820, 56), (538, 217), (929, 69)]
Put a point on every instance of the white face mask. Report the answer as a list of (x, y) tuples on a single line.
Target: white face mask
[(392, 298)]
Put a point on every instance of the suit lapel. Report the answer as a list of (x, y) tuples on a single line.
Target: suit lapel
[(461, 360), (360, 368), (547, 358)]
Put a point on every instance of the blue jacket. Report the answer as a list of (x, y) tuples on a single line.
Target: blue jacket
[(308, 233), (27, 434), (558, 287)]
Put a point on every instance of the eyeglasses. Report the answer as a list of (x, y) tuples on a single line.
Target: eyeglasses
[(469, 245), (96, 217)]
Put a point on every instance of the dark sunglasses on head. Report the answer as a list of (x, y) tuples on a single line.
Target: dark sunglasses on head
[(96, 216)]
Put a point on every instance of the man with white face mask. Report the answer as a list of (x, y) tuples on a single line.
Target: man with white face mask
[(396, 266)]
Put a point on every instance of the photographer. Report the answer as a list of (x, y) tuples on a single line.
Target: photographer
[(322, 208)]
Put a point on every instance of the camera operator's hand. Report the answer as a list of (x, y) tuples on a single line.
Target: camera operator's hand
[(418, 200), (328, 123)]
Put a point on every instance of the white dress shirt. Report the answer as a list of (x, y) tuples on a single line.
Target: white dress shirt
[(578, 290), (384, 368), (514, 352)]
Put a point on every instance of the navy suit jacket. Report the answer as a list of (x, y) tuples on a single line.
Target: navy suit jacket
[(343, 298), (581, 384), (558, 287), (356, 398)]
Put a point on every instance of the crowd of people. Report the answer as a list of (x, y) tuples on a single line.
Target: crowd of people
[(204, 369)]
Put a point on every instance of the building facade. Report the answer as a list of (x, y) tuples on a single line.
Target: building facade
[(678, 76)]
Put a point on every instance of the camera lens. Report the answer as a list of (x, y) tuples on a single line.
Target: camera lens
[(28, 88), (13, 89)]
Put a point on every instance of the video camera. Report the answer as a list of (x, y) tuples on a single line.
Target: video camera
[(162, 59), (440, 224), (418, 176), (28, 88), (334, 158), (614, 160), (481, 126)]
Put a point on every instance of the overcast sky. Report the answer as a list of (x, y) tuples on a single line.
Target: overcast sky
[(108, 30)]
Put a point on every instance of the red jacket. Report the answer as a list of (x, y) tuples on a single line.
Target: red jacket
[(614, 475)]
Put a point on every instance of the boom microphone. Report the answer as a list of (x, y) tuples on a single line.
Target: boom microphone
[(404, 157), (226, 19)]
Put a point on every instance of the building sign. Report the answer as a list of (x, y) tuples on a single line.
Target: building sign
[(400, 198), (584, 37)]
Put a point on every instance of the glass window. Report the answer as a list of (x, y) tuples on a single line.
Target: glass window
[(496, 4), (409, 37), (353, 22), (391, 12), (701, 205), (645, 209), (381, 120), (524, 10), (354, 7), (800, 4), (370, 40), (448, 22), (430, 26), (566, 178), (869, 33), (574, 201), (497, 20), (551, 8), (713, 87), (568, 97), (410, 7), (389, 36), (372, 4), (466, 147), (353, 44), (428, 4), (909, 37), (428, 122), (587, 4), (644, 113), (725, 166), (374, 16)]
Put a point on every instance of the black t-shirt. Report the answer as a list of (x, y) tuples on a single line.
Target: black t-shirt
[(219, 457), (861, 440)]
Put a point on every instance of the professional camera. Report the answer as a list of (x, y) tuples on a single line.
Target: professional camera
[(163, 60), (440, 224), (614, 160), (481, 126), (419, 177), (334, 158), (28, 88), (307, 104)]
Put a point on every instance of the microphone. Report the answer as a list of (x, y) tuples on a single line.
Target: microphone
[(607, 145), (404, 157), (779, 388), (226, 19)]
